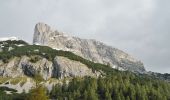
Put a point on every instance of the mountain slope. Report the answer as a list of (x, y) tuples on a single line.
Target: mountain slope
[(89, 49), (72, 73), (31, 59), (68, 76)]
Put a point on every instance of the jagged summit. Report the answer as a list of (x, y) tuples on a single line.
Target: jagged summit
[(88, 49), (42, 31)]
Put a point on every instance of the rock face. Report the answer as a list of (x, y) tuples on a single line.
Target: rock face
[(88, 49), (70, 68), (61, 67)]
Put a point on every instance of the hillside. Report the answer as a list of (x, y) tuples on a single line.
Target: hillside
[(67, 75)]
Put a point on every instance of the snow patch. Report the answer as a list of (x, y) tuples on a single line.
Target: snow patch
[(8, 38), (37, 43), (118, 68), (114, 66), (20, 45), (10, 48), (36, 50), (63, 49), (121, 69)]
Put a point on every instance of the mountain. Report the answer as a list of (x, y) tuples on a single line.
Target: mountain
[(18, 60), (89, 49), (34, 71), (61, 67)]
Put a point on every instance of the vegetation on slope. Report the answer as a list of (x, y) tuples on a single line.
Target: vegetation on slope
[(117, 85), (12, 42), (50, 54), (7, 45)]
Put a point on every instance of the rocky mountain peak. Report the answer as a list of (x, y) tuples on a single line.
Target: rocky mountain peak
[(42, 27), (42, 31), (89, 49)]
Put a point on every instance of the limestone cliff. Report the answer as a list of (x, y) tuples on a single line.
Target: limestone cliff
[(88, 49), (61, 67)]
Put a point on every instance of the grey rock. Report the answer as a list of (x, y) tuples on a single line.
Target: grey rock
[(89, 49), (61, 67), (69, 68)]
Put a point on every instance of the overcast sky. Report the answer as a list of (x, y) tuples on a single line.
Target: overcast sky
[(138, 27)]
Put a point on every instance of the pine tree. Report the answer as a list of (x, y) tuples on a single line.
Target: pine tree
[(131, 92), (92, 94), (38, 93), (85, 95), (127, 98), (108, 95)]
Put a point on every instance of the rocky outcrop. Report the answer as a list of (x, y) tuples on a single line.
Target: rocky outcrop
[(89, 49), (69, 68), (20, 66), (59, 68)]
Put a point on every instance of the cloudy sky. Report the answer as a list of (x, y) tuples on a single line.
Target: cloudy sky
[(138, 27)]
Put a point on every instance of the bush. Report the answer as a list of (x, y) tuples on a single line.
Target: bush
[(34, 59), (5, 60)]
